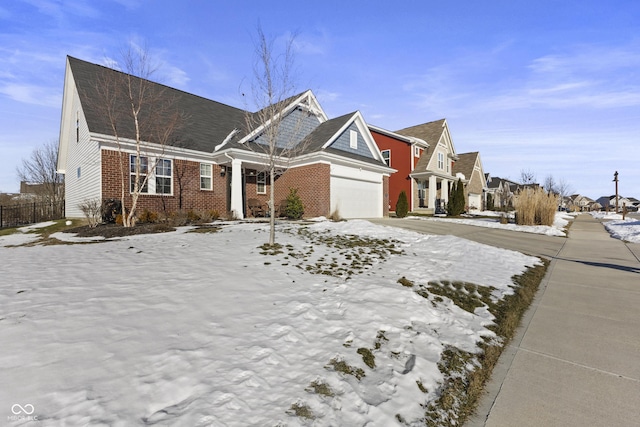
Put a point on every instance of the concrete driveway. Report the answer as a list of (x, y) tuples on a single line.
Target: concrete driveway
[(576, 358)]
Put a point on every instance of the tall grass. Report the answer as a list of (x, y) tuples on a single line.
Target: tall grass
[(535, 207)]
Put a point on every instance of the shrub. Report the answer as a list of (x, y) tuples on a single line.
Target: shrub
[(92, 210), (148, 216), (455, 206), (294, 209), (402, 206), (535, 207), (490, 204), (118, 219)]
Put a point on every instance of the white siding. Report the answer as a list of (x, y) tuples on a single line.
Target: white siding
[(83, 154)]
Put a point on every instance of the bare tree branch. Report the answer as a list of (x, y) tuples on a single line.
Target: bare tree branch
[(41, 169)]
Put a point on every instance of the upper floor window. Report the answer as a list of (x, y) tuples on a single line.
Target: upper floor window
[(417, 151), (261, 183), (386, 155), (353, 139), (206, 176), (440, 161), (77, 127)]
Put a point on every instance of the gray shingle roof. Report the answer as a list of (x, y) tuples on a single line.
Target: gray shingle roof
[(206, 123), (430, 132), (465, 164)]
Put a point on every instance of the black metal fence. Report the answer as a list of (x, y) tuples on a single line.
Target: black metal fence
[(30, 213)]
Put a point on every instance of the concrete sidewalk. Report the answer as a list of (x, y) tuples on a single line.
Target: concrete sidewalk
[(576, 359)]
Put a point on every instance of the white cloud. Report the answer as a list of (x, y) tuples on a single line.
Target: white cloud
[(32, 94)]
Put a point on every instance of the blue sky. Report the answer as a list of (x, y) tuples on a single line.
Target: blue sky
[(547, 86)]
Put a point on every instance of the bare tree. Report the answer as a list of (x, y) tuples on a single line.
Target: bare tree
[(527, 176), (563, 189), (550, 184), (41, 170), (143, 119), (272, 86)]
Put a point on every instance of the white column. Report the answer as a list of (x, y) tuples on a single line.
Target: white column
[(237, 204), (433, 182), (444, 192)]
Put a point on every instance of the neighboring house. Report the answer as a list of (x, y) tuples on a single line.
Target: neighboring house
[(215, 162), (504, 192), (609, 202), (432, 176), (500, 191), (579, 203), (469, 168), (402, 154)]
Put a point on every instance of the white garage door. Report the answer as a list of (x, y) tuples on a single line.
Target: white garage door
[(475, 201), (356, 199)]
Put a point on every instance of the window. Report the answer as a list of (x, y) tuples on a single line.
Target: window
[(353, 139), (144, 166), (440, 161), (163, 176), (78, 172), (206, 176), (417, 151), (261, 183), (77, 127), (386, 155)]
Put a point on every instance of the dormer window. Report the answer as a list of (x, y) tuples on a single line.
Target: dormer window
[(441, 161)]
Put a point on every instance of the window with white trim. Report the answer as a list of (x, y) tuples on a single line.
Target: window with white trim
[(440, 161), (206, 176), (353, 139), (144, 167), (261, 183), (417, 151), (163, 177), (386, 156)]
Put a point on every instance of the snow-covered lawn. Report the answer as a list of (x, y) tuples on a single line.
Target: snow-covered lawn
[(493, 221), (623, 229), (194, 329)]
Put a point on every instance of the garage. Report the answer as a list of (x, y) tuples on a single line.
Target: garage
[(475, 201), (356, 198)]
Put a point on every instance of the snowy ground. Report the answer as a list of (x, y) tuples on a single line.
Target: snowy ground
[(627, 229), (561, 220), (194, 329)]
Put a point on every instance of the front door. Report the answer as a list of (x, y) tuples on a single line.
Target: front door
[(422, 193)]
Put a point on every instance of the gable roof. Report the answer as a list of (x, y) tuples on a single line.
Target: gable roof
[(465, 164), (430, 132), (207, 123)]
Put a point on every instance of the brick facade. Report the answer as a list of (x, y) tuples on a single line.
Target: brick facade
[(186, 187), (312, 181), (314, 188)]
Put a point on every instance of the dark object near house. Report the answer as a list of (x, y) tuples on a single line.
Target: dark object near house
[(256, 208), (111, 208)]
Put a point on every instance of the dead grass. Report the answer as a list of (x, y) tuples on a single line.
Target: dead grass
[(535, 207), (466, 373)]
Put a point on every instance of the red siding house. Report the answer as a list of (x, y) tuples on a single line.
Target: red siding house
[(401, 153), (216, 160), (424, 156)]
